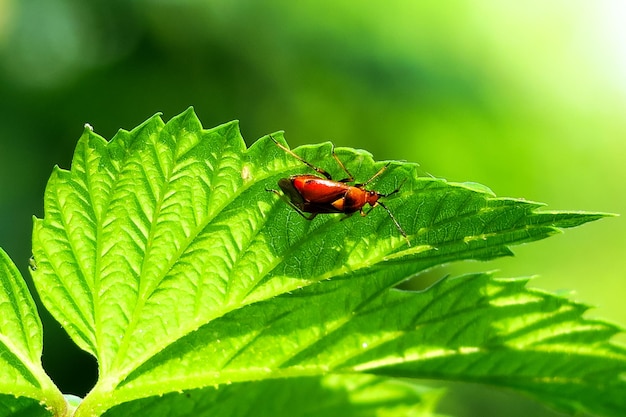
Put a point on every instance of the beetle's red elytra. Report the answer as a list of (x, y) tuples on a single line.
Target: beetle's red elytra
[(313, 194)]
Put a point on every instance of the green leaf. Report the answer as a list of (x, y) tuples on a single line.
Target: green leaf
[(23, 379), (474, 328), (329, 396), (162, 254)]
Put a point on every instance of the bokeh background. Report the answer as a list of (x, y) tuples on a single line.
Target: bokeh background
[(528, 98)]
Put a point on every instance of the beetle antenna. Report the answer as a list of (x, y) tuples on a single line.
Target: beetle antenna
[(402, 232), (394, 191)]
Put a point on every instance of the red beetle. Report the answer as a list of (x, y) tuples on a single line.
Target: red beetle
[(313, 194)]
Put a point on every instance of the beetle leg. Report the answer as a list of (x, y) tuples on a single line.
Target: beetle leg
[(380, 171), (365, 213), (346, 216), (311, 216), (299, 158), (350, 176)]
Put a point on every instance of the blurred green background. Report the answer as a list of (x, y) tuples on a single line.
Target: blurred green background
[(528, 98)]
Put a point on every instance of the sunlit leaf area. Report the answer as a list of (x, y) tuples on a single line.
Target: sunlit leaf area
[(527, 98)]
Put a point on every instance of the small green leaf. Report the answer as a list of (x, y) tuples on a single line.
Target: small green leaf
[(23, 379), (162, 254)]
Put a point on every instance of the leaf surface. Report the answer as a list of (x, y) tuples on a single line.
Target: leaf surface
[(330, 396)]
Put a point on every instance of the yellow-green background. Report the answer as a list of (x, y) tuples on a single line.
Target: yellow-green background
[(528, 98)]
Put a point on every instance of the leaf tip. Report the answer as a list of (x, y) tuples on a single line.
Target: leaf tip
[(477, 187)]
